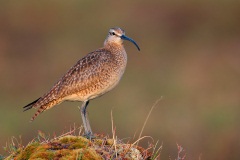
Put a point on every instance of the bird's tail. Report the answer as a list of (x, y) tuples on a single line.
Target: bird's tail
[(42, 104), (30, 105)]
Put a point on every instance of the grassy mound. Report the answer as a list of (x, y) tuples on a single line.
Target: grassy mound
[(71, 147)]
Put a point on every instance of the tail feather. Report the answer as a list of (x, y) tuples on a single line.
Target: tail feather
[(30, 105), (44, 107), (40, 110)]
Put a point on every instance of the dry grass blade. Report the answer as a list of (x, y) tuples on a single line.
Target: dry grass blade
[(114, 135), (156, 153), (149, 113), (139, 139)]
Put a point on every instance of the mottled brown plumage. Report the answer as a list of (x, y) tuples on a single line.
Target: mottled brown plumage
[(93, 75)]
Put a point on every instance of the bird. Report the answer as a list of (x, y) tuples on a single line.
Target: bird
[(92, 76)]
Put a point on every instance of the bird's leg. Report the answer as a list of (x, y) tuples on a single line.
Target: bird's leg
[(87, 120), (87, 128), (83, 113)]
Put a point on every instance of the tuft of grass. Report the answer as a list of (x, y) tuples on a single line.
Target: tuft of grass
[(73, 146), (181, 153)]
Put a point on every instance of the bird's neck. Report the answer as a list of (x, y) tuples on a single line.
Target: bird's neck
[(114, 46), (118, 50)]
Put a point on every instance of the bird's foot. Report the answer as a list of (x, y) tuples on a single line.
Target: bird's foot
[(89, 136)]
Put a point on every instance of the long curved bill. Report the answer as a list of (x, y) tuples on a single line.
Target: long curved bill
[(131, 40)]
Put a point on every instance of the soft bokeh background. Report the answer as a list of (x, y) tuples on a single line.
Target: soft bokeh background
[(190, 55)]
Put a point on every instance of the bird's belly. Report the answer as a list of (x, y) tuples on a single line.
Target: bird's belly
[(97, 88), (91, 95), (74, 97), (92, 92), (104, 89)]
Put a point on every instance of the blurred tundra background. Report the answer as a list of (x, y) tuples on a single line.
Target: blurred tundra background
[(190, 55)]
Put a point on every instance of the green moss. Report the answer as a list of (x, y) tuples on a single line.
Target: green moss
[(75, 148), (87, 154), (26, 153), (103, 142), (98, 142), (44, 154), (75, 142), (65, 154), (109, 142)]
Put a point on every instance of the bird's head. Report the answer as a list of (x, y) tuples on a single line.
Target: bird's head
[(117, 35)]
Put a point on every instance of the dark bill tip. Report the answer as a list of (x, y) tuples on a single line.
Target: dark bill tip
[(131, 40)]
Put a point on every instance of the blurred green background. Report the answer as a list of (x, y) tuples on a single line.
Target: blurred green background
[(190, 55)]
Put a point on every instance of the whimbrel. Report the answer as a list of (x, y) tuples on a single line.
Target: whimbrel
[(93, 75)]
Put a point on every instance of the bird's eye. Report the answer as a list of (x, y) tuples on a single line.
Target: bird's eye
[(112, 33)]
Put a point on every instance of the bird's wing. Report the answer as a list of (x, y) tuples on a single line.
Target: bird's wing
[(84, 74), (79, 77)]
